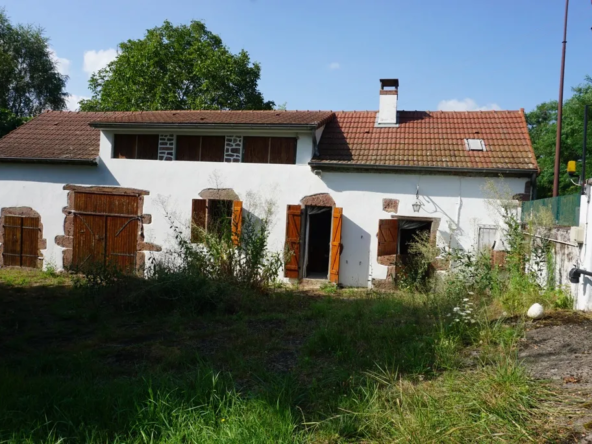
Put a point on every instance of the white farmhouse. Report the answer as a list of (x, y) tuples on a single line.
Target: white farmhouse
[(350, 188)]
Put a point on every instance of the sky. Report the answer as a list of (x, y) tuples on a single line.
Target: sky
[(330, 55)]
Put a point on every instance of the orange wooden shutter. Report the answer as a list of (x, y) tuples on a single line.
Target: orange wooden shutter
[(335, 245), (293, 223), (198, 218), (237, 221), (388, 234)]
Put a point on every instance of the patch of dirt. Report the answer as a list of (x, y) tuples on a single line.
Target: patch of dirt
[(559, 348)]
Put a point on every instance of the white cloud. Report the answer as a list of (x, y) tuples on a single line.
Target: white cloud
[(95, 60), (62, 64), (334, 65), (465, 105), (72, 101)]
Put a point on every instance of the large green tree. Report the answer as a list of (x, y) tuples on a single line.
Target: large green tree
[(176, 67), (542, 123), (29, 80)]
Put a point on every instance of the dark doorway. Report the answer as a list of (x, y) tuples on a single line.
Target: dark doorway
[(409, 231), (318, 241)]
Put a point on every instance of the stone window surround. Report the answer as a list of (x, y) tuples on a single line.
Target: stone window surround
[(22, 212), (66, 241)]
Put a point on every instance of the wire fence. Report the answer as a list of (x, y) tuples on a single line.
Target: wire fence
[(565, 209)]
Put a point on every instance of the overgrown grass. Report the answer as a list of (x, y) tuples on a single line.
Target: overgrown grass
[(279, 367)]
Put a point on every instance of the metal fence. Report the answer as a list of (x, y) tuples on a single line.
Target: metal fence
[(565, 209)]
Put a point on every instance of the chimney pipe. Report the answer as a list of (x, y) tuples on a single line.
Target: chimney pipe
[(387, 110)]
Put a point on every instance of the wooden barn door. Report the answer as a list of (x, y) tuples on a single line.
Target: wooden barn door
[(335, 256), (21, 241), (388, 235), (293, 225), (105, 231)]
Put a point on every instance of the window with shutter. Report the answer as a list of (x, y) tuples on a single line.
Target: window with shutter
[(212, 149), (388, 235), (487, 236), (135, 146), (217, 216), (188, 148), (21, 241), (147, 146), (277, 150), (124, 146)]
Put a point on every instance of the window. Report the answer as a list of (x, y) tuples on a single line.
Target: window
[(21, 241), (276, 150), (136, 146), (475, 144), (486, 237), (395, 236), (216, 216), (200, 148)]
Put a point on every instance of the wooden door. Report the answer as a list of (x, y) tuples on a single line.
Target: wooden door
[(106, 231), (237, 221), (388, 235), (335, 256), (293, 225), (21, 241), (122, 237), (89, 241)]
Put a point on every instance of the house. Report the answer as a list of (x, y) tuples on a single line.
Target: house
[(351, 187)]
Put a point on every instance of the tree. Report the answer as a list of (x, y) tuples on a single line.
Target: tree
[(176, 67), (29, 80), (542, 122)]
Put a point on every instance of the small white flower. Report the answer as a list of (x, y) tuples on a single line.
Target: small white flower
[(465, 300), (471, 293), (456, 309)]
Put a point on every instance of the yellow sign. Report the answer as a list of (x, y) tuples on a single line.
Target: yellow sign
[(571, 166)]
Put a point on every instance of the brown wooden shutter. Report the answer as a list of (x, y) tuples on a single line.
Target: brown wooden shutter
[(30, 242), (147, 147), (335, 255), (212, 148), (293, 223), (283, 150), (124, 146), (256, 149), (388, 235), (188, 147), (198, 218), (12, 241), (237, 221)]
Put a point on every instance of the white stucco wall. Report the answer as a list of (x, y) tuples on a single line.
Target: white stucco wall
[(456, 200)]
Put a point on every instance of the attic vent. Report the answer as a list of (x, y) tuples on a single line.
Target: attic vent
[(475, 144)]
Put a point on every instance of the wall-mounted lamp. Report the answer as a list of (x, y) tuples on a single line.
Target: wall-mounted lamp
[(417, 205)]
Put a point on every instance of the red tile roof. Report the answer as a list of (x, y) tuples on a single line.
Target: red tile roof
[(422, 139), (312, 118), (429, 139)]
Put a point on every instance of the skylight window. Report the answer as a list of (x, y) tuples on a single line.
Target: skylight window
[(475, 144)]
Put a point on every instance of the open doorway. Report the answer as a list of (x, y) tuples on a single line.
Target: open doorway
[(409, 232), (317, 242)]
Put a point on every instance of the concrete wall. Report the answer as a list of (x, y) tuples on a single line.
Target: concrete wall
[(458, 202)]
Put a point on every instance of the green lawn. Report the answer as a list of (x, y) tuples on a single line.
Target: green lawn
[(349, 366)]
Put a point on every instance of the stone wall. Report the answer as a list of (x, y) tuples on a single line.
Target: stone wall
[(233, 149), (166, 146)]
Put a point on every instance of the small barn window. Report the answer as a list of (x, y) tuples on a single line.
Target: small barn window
[(277, 150), (486, 237), (475, 144), (216, 216), (136, 146)]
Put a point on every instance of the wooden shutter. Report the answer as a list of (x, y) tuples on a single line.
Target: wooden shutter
[(212, 148), (122, 239), (147, 147), (188, 147), (237, 221), (293, 223), (256, 149), (283, 150), (335, 255), (21, 241), (124, 146), (198, 218), (30, 242), (388, 235)]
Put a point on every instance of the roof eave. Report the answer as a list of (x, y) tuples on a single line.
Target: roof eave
[(88, 162), (506, 171), (267, 126)]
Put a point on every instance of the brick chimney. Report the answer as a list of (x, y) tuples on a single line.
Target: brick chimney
[(387, 110)]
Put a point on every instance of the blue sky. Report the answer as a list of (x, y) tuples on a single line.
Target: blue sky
[(325, 54)]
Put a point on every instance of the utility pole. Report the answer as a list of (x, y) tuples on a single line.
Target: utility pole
[(560, 108)]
